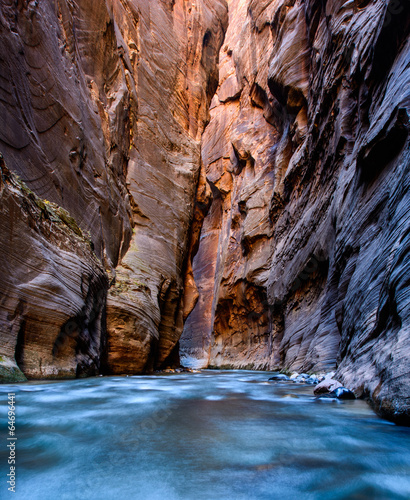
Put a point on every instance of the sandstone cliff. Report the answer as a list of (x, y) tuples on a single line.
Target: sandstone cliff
[(54, 289), (103, 105), (303, 262), (278, 232), (175, 73)]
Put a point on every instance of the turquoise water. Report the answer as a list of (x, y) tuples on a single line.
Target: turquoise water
[(212, 435)]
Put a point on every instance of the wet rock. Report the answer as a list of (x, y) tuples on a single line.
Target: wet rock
[(326, 386), (279, 377), (313, 380), (343, 393), (303, 378), (9, 371)]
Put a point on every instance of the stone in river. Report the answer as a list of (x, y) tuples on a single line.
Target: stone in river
[(327, 386), (279, 377), (343, 393)]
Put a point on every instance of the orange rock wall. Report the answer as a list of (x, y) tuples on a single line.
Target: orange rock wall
[(303, 259)]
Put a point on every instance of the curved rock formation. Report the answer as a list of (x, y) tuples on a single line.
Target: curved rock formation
[(54, 289)]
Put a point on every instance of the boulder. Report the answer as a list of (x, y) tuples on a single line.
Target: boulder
[(326, 386), (342, 393)]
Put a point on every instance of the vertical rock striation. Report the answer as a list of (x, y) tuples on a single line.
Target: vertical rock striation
[(176, 74), (175, 70), (303, 258)]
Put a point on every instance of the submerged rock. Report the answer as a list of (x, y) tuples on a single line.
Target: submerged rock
[(279, 377), (313, 380)]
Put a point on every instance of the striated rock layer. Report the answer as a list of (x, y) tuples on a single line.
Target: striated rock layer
[(300, 247), (175, 72), (54, 289)]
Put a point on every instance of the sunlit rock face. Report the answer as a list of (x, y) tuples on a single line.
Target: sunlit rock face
[(103, 105), (300, 246), (175, 46)]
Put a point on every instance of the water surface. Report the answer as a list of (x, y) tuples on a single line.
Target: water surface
[(212, 436)]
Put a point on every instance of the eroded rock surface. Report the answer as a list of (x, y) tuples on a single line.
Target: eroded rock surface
[(176, 74), (303, 259), (54, 289)]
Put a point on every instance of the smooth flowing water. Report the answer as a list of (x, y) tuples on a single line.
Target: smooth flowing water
[(212, 435)]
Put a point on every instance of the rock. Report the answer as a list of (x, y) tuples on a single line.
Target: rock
[(53, 289), (304, 378), (9, 371), (294, 375), (326, 386), (279, 377), (191, 370), (342, 393)]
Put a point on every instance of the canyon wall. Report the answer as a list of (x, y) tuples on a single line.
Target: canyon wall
[(103, 105), (300, 248), (54, 289)]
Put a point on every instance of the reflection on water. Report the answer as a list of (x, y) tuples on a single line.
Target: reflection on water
[(212, 435)]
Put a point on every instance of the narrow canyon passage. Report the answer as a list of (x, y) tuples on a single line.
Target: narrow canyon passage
[(222, 182), (220, 185)]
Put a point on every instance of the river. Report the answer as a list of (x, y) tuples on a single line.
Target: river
[(213, 435)]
